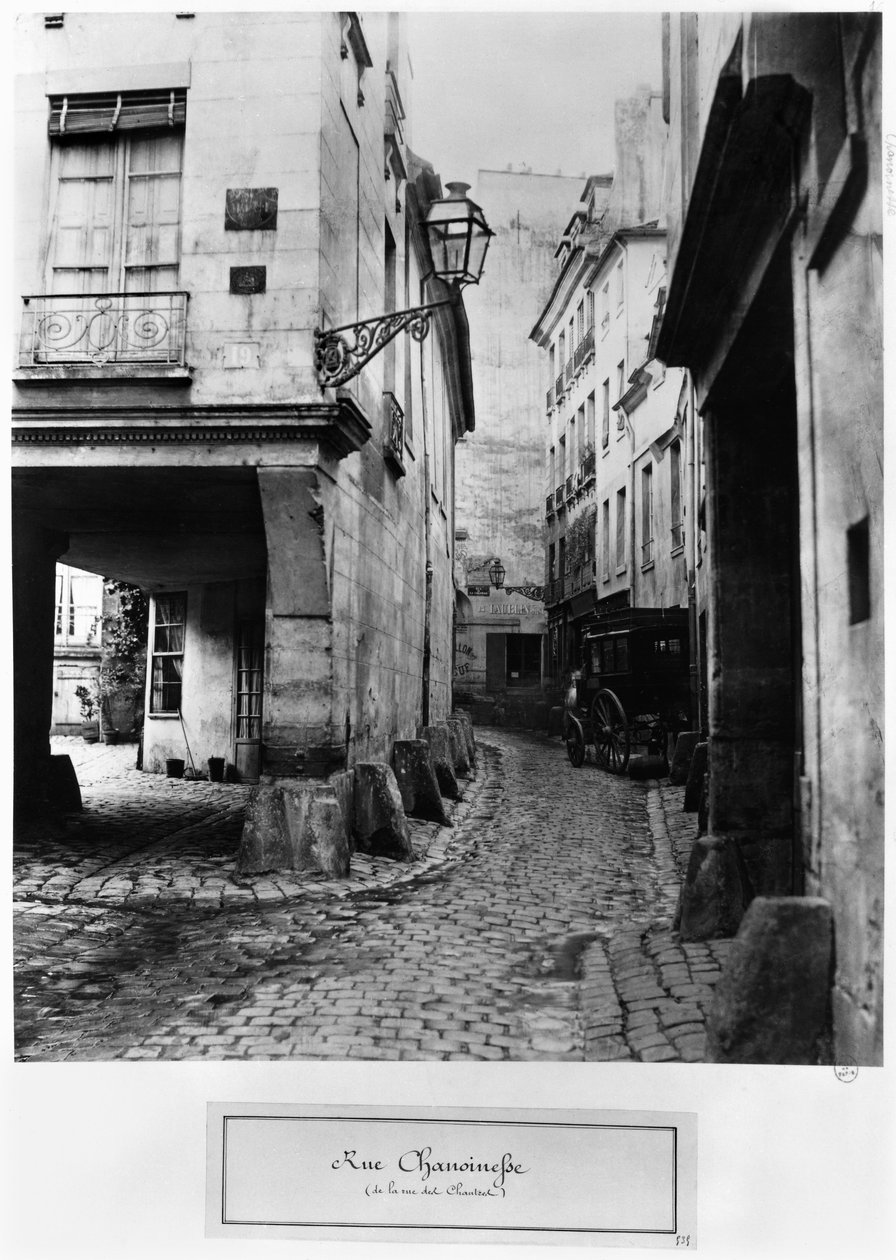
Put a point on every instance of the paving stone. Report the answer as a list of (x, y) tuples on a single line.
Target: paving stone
[(136, 926)]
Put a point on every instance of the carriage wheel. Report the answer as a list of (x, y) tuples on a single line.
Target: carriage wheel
[(575, 744), (612, 739)]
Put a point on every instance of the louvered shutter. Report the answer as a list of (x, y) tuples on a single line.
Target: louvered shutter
[(152, 226), (117, 111)]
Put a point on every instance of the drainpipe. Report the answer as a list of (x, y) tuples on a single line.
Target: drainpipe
[(427, 535), (631, 500), (691, 501)]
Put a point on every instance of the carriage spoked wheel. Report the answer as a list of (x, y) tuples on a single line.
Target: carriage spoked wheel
[(575, 743), (612, 738)]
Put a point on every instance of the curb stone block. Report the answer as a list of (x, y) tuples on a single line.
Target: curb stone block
[(439, 739), (716, 890), (772, 999), (683, 755), (699, 762), (417, 781), (379, 821)]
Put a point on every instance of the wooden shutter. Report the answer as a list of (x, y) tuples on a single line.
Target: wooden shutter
[(117, 111), (152, 213), (495, 662), (84, 219)]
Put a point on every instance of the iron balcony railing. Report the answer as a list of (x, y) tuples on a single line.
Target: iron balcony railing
[(588, 344), (550, 399), (96, 329), (559, 497), (558, 387), (569, 370), (677, 535), (579, 356), (589, 465), (549, 505)]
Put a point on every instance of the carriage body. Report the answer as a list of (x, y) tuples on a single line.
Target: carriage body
[(635, 686)]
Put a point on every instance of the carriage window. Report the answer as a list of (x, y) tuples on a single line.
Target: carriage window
[(667, 647), (622, 656), (609, 654)]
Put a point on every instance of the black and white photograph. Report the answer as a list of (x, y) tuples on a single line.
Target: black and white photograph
[(447, 550)]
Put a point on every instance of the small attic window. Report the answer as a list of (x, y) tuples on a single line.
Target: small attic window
[(53, 21)]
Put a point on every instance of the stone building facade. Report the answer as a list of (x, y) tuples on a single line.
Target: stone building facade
[(197, 193), (774, 306), (500, 642), (619, 499)]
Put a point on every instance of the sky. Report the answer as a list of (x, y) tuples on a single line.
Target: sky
[(533, 88)]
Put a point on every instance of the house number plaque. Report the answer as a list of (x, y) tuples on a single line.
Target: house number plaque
[(248, 279)]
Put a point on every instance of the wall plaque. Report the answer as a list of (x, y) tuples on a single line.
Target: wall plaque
[(248, 279), (478, 590), (250, 210)]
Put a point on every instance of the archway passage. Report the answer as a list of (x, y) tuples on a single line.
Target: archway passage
[(755, 653), (163, 529)]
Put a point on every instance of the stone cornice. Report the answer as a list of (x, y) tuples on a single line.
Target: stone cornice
[(342, 425)]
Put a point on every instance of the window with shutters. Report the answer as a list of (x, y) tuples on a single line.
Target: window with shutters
[(113, 239)]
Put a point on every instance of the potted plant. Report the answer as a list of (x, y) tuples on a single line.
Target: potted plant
[(90, 708)]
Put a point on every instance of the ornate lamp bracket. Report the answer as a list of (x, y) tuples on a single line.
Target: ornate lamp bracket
[(340, 353)]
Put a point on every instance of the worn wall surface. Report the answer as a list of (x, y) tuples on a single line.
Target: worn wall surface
[(500, 467)]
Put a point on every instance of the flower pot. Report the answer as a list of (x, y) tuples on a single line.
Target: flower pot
[(110, 736), (216, 769), (174, 768), (90, 732)]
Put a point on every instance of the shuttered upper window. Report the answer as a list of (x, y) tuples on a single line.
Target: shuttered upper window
[(83, 114)]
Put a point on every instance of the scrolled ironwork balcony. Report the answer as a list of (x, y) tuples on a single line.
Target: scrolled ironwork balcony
[(550, 398), (569, 370), (559, 387), (98, 329), (588, 344), (549, 506), (579, 356)]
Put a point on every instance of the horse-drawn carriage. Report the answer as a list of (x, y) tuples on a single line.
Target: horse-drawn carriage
[(633, 690)]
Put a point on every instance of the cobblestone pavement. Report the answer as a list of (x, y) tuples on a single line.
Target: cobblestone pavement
[(538, 926)]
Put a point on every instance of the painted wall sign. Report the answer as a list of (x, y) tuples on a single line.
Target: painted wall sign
[(250, 209), (241, 354)]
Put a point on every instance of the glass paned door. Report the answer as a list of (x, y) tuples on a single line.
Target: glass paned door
[(249, 683)]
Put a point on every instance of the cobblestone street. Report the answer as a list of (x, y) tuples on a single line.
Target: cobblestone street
[(538, 926)]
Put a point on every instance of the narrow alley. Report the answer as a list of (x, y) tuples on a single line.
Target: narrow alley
[(538, 926)]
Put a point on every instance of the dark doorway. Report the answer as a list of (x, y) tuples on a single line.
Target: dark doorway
[(755, 632)]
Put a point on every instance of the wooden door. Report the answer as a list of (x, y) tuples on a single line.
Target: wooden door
[(249, 669)]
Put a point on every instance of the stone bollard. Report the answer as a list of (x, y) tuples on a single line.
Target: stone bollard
[(63, 790), (682, 756), (295, 826), (459, 752), (468, 743), (771, 1001), (439, 739), (716, 890), (378, 817), (699, 762), (462, 716), (417, 781)]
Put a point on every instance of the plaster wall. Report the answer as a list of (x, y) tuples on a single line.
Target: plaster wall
[(253, 120)]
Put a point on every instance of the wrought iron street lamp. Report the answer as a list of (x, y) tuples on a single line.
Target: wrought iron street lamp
[(496, 574), (458, 237)]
